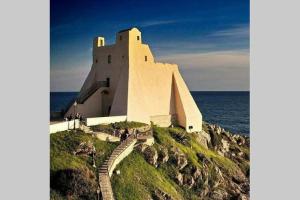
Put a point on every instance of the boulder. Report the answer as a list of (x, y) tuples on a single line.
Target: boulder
[(203, 139), (225, 146), (179, 158), (188, 180), (141, 147), (151, 155), (160, 195), (85, 148), (219, 194), (243, 197), (163, 155), (197, 173), (179, 178), (203, 158)]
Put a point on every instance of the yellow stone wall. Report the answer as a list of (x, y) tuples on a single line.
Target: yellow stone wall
[(140, 88)]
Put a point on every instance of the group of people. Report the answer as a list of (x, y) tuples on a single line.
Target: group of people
[(77, 116)]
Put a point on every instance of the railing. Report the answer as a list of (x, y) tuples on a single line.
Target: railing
[(111, 161), (95, 86)]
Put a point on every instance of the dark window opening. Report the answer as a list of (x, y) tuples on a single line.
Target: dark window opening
[(96, 61), (109, 59), (146, 58), (138, 37), (107, 82), (120, 37), (109, 108)]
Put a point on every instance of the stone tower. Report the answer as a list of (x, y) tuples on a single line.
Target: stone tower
[(125, 80)]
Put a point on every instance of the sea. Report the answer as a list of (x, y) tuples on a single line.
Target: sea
[(230, 109)]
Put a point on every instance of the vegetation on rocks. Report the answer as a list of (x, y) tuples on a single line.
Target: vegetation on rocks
[(73, 176), (213, 164)]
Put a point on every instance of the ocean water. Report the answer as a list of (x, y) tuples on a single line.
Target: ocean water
[(231, 110)]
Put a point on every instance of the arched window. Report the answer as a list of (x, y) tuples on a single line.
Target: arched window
[(138, 37), (145, 58), (109, 59)]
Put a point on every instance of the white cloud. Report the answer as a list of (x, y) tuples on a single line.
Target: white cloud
[(218, 70), (158, 22), (238, 31)]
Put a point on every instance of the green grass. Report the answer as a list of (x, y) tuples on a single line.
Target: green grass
[(62, 145), (164, 137), (138, 180), (121, 125)]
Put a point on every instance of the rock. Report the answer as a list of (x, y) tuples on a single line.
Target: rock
[(220, 153), (219, 194), (238, 176), (141, 147), (118, 172), (219, 179), (203, 139), (204, 191), (179, 178), (181, 161), (197, 173), (225, 146), (86, 148), (163, 156), (179, 157), (243, 197), (188, 180), (160, 195), (241, 154), (203, 158), (151, 155)]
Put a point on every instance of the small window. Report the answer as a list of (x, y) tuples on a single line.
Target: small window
[(145, 58), (101, 42), (96, 61), (107, 82), (120, 37), (109, 59), (138, 37)]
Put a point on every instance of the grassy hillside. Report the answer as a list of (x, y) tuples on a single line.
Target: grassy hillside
[(140, 180), (68, 170), (190, 170)]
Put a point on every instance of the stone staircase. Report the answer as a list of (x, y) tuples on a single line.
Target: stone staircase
[(106, 170)]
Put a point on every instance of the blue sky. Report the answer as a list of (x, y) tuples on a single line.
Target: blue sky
[(208, 39)]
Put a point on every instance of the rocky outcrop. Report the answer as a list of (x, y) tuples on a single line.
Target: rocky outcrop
[(150, 154), (179, 158), (163, 155), (203, 138), (160, 195), (85, 148)]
